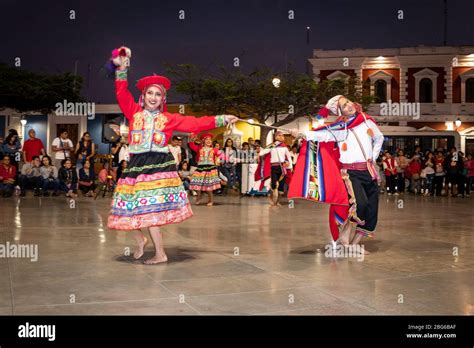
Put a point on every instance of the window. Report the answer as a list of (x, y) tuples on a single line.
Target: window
[(470, 90), (426, 90), (380, 89)]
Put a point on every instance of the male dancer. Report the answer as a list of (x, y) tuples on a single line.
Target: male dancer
[(359, 141)]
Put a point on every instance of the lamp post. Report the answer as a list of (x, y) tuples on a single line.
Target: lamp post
[(458, 122)]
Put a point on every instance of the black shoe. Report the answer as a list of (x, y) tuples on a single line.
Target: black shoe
[(46, 194), (55, 194), (22, 193), (37, 193)]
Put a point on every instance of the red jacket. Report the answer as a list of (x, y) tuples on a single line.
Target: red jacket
[(7, 173), (152, 134), (198, 149), (414, 167), (390, 164)]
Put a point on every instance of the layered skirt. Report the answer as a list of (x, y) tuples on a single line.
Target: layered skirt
[(149, 193), (205, 178)]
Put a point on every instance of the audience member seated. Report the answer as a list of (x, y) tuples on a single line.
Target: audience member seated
[(68, 178), (87, 179), (7, 177), (49, 175), (30, 177)]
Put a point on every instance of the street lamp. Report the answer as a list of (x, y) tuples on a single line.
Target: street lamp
[(458, 122), (276, 82)]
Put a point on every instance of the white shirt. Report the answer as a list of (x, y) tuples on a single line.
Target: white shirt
[(60, 154), (124, 153), (175, 151), (279, 154), (353, 154)]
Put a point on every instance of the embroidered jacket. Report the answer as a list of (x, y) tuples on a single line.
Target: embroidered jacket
[(205, 156), (150, 131)]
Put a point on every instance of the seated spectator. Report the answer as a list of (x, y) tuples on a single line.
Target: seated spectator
[(68, 178), (185, 174), (49, 175), (7, 177), (12, 147), (87, 179), (122, 165), (107, 177), (30, 177)]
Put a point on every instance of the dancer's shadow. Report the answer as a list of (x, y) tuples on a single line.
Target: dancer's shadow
[(174, 255)]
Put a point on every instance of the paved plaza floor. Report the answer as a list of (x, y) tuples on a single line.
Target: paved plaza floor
[(239, 257)]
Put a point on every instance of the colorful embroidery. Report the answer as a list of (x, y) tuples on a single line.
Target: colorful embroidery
[(220, 121)]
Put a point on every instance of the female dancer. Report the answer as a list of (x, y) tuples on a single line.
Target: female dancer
[(149, 193), (206, 176)]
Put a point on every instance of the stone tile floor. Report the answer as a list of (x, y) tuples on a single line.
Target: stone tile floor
[(421, 262)]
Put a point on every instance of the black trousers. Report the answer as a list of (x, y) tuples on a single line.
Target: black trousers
[(276, 175), (390, 183), (367, 197)]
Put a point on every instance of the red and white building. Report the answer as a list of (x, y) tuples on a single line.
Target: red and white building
[(433, 87)]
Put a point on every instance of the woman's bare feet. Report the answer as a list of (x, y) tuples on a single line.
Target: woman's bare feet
[(345, 234), (197, 203), (140, 248), (156, 260), (210, 204)]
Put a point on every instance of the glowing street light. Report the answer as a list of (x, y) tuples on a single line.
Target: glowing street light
[(276, 82), (458, 122)]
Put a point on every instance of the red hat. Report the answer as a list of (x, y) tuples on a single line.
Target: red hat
[(206, 135), (153, 80)]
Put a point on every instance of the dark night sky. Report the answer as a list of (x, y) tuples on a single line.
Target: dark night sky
[(214, 32)]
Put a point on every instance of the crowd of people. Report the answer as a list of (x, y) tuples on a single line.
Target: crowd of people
[(429, 173)]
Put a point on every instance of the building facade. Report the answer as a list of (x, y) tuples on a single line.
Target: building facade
[(423, 95)]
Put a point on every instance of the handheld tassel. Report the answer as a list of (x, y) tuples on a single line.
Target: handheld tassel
[(344, 147)]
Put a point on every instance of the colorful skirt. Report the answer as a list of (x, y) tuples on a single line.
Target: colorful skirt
[(149, 193), (205, 178)]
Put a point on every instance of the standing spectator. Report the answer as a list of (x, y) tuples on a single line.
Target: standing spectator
[(7, 177), (85, 151), (62, 147), (115, 151), (420, 154), (461, 177), (184, 152), (30, 177), (469, 166), (11, 147), (439, 173), (49, 175), (68, 178), (415, 170), (32, 147), (452, 168), (251, 143), (229, 163), (87, 179), (382, 183), (175, 150), (390, 171), (427, 174), (294, 155), (402, 164)]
